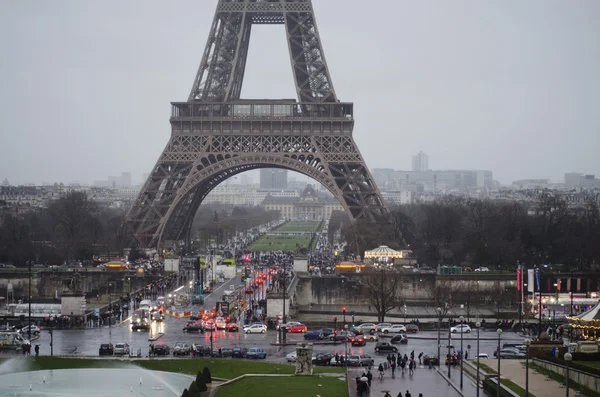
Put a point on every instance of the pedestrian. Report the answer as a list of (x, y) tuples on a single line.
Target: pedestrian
[(420, 356), (37, 350), (393, 366), (380, 370), (402, 365), (407, 394), (369, 378), (389, 359), (411, 367), (393, 359), (467, 355)]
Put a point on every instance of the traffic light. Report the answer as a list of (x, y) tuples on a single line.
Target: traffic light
[(343, 310), (335, 319)]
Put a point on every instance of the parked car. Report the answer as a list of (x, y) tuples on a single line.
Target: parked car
[(358, 340), (226, 352), (314, 335), (399, 339), (256, 352), (460, 328), (430, 359), (385, 347), (482, 355), (323, 359), (360, 360), (200, 351), (393, 329), (291, 357), (162, 350), (381, 326), (510, 352), (297, 328), (181, 349), (238, 352), (256, 329), (412, 328), (482, 269), (121, 349), (106, 349), (367, 328), (35, 330)]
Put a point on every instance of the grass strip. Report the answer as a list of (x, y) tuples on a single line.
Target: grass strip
[(297, 386), (561, 379)]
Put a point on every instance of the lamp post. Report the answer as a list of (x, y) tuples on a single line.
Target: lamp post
[(449, 340), (478, 325), (346, 348), (462, 353), (29, 300), (568, 357), (51, 336), (109, 309), (527, 343), (499, 332), (439, 311), (571, 314)]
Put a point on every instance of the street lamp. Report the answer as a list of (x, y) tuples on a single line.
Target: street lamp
[(568, 358), (478, 325), (449, 342), (109, 309), (499, 332), (462, 353), (527, 343), (346, 339), (439, 311)]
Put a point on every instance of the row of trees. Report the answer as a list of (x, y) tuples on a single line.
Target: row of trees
[(456, 230), (75, 228)]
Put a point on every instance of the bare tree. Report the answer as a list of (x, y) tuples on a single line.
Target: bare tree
[(383, 289), (441, 295)]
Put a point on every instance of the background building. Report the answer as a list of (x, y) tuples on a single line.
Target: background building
[(273, 178), (308, 206), (420, 162)]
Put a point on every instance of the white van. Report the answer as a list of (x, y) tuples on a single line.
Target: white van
[(12, 341), (146, 305)]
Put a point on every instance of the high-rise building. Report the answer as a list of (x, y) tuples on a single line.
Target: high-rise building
[(273, 178), (573, 179), (420, 162), (125, 180)]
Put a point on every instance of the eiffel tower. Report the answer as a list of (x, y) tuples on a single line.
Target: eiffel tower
[(215, 134)]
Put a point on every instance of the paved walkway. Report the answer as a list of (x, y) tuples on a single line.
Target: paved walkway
[(424, 380), (538, 385)]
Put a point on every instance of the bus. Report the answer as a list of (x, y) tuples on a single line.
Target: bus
[(229, 262)]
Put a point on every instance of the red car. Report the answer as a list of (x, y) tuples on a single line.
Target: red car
[(232, 327), (297, 328)]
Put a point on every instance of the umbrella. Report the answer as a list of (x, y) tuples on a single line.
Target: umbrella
[(364, 379)]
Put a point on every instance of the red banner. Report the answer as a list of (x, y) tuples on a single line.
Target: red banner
[(578, 285), (568, 285), (558, 281), (519, 280)]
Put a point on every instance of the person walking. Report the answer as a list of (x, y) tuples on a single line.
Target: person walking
[(402, 365), (407, 394), (380, 370), (420, 356), (369, 378), (393, 367)]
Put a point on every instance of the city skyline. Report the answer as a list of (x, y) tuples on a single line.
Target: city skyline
[(491, 95)]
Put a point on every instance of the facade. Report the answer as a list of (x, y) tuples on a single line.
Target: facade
[(420, 162), (397, 197), (273, 178), (309, 205), (388, 179)]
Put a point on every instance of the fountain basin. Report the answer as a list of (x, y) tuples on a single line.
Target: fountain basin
[(94, 382)]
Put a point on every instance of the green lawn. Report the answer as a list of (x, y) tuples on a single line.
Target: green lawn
[(592, 364), (298, 226), (219, 368), (280, 243), (296, 386)]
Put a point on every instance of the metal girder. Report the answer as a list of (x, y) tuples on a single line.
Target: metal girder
[(215, 135)]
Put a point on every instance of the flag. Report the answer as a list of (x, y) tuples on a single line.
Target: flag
[(538, 279), (578, 285), (568, 285), (530, 281), (519, 280), (558, 281)]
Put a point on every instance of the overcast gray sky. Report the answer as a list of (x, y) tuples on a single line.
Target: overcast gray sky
[(512, 86)]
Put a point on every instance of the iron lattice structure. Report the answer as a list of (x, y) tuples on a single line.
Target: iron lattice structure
[(216, 134)]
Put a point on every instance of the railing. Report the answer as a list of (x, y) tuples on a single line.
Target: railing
[(263, 110)]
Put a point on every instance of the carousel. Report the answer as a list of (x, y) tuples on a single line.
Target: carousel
[(384, 255), (587, 323)]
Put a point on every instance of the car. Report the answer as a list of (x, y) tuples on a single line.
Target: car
[(256, 329), (400, 339), (383, 347), (226, 352), (35, 330), (121, 349), (162, 350), (288, 324), (430, 359), (367, 328), (158, 316), (482, 355), (510, 352), (326, 332), (393, 329), (232, 327), (297, 328), (220, 323), (521, 347), (256, 352), (207, 290), (238, 352), (181, 349), (381, 326), (482, 269), (200, 351), (369, 337), (314, 335), (323, 359), (412, 328), (460, 328), (291, 357), (208, 325), (341, 336), (106, 349), (358, 340), (193, 326), (361, 360)]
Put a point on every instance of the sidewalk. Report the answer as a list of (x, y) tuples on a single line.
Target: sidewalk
[(425, 381), (538, 385)]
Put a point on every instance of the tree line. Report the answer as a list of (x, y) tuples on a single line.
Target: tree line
[(471, 232), (75, 228)]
